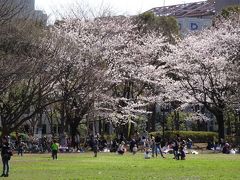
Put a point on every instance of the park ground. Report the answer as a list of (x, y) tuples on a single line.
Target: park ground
[(112, 166)]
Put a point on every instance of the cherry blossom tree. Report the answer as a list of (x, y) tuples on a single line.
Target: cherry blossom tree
[(120, 62), (204, 67)]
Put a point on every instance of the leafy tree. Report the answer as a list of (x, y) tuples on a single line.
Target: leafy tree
[(163, 25), (228, 11)]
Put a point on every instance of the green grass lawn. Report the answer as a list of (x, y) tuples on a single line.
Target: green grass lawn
[(111, 166)]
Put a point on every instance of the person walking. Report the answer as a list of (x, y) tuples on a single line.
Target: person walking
[(158, 146), (20, 148), (6, 154), (175, 145), (153, 144), (95, 145), (54, 148)]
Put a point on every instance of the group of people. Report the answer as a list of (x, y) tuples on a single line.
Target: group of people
[(32, 145), (150, 145), (178, 145), (223, 146), (153, 146), (7, 152)]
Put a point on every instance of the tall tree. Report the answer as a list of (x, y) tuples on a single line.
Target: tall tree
[(162, 25), (118, 63), (205, 68), (28, 74)]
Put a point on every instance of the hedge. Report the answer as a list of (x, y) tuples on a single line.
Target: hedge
[(195, 136)]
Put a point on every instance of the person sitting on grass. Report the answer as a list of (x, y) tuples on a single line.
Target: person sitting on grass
[(135, 149), (6, 154), (121, 148), (226, 149), (54, 148), (147, 154)]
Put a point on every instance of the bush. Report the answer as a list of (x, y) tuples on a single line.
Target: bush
[(109, 137), (233, 140), (195, 136), (23, 136)]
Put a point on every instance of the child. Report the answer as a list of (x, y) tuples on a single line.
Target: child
[(6, 154), (121, 148), (182, 153), (54, 148), (20, 148), (95, 147), (135, 149), (146, 154)]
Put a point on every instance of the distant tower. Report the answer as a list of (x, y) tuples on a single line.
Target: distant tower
[(31, 4), (23, 5), (28, 4), (221, 4)]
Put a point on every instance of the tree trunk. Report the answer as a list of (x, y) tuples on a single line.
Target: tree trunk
[(153, 118), (229, 129), (5, 131), (73, 131), (236, 123), (163, 124), (176, 120), (62, 124), (151, 122), (221, 128)]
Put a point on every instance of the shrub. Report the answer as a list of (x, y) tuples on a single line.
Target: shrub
[(23, 136), (195, 136)]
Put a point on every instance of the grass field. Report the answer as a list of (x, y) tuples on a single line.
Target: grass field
[(111, 166)]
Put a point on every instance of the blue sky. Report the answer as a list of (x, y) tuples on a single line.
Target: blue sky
[(126, 7)]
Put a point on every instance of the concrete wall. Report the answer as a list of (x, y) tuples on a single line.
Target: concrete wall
[(193, 24)]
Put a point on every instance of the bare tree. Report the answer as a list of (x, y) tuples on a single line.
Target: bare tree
[(11, 9), (28, 62)]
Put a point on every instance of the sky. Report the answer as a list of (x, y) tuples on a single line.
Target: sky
[(118, 7)]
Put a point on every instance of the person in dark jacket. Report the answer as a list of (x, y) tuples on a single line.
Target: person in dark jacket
[(94, 145), (20, 148), (133, 143), (158, 141), (6, 154), (176, 143)]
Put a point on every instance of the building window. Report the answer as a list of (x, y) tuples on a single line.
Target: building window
[(56, 129)]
